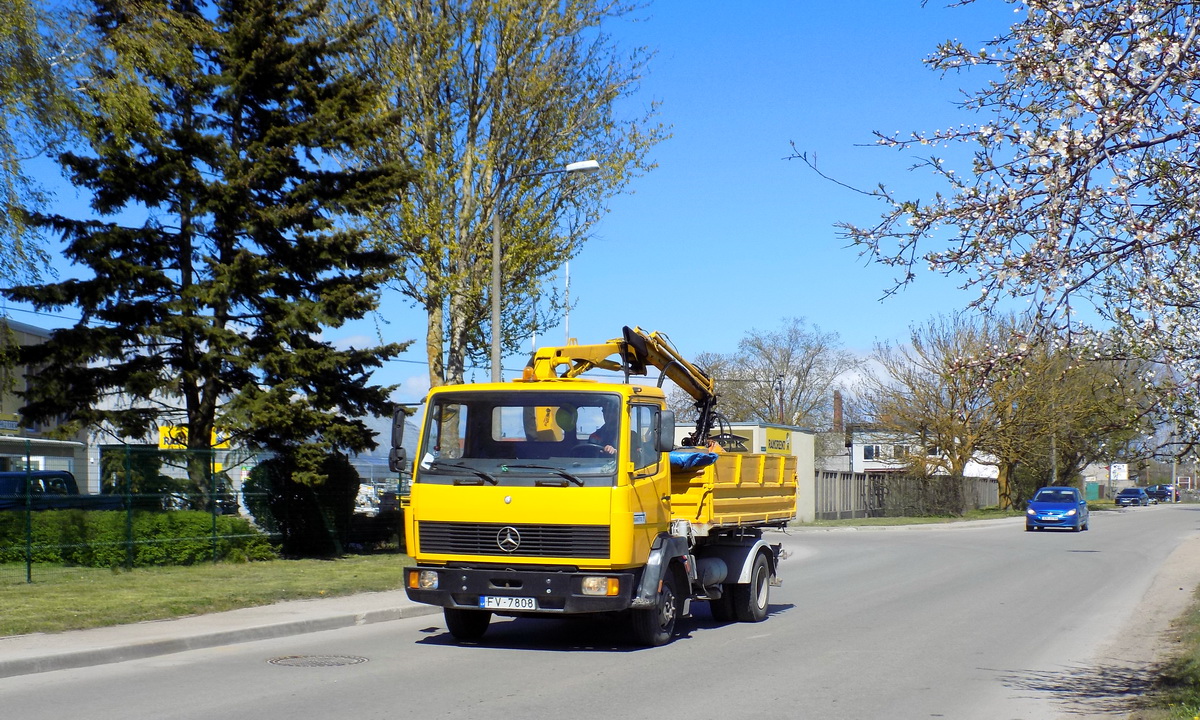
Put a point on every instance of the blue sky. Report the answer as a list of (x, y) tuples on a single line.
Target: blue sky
[(726, 235)]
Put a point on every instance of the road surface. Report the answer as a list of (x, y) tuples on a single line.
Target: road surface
[(966, 621)]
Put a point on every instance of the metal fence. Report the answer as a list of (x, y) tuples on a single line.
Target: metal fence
[(174, 507), (840, 495)]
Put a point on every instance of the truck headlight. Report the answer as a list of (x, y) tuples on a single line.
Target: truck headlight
[(423, 579), (601, 585)]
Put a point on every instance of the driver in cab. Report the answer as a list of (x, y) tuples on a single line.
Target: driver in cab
[(606, 434)]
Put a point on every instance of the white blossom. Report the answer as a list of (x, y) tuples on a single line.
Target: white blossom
[(1083, 186)]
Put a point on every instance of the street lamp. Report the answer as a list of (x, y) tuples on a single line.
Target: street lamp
[(583, 166)]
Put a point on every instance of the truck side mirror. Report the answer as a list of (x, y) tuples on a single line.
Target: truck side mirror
[(398, 455), (396, 459), (664, 441), (399, 417)]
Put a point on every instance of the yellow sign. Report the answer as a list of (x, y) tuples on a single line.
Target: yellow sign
[(779, 442), (175, 437), (9, 424)]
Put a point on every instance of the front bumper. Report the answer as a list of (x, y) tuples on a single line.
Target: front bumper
[(556, 592), (1051, 521)]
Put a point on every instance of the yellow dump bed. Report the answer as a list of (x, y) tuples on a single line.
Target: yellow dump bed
[(738, 490)]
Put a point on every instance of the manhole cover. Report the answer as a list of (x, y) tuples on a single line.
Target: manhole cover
[(317, 660)]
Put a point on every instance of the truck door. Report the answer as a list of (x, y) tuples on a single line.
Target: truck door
[(650, 476)]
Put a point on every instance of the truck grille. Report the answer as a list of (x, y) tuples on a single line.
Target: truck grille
[(567, 541)]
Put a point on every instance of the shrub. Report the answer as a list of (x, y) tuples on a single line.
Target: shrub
[(99, 538), (309, 520)]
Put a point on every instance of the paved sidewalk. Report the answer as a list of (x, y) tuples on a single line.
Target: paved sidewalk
[(40, 652)]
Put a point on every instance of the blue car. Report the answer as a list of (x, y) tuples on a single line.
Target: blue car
[(1057, 507), (1132, 496)]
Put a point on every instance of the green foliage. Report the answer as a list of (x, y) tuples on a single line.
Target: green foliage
[(493, 97), (99, 538), (227, 238), (35, 107), (311, 519)]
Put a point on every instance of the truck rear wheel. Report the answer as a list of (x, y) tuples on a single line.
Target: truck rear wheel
[(656, 626), (722, 607), (467, 624), (750, 601)]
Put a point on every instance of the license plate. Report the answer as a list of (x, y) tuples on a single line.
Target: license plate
[(493, 602)]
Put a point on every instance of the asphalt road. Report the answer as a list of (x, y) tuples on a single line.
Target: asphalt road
[(967, 622)]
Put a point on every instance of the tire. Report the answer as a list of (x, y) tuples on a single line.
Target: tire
[(750, 601), (722, 608), (656, 626), (1028, 528), (467, 624)]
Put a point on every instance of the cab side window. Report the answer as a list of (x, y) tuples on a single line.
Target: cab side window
[(643, 425)]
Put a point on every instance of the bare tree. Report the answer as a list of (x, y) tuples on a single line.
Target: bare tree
[(786, 376), (994, 391), (930, 397)]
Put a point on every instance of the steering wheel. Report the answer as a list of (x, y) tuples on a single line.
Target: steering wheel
[(588, 450)]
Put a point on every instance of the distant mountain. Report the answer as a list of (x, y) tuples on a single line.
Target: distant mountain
[(382, 427)]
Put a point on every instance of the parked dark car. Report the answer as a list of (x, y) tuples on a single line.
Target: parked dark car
[(1132, 496), (1163, 493), (1057, 507), (49, 490)]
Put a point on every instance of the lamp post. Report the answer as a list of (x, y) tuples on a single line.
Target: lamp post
[(575, 167)]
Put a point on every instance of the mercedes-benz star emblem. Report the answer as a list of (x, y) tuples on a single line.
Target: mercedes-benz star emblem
[(508, 539)]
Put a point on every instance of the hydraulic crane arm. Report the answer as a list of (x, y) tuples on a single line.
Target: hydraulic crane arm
[(637, 350)]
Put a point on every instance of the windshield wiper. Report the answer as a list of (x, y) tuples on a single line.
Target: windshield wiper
[(486, 477), (557, 471)]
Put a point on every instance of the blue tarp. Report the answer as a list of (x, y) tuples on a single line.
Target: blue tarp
[(691, 459)]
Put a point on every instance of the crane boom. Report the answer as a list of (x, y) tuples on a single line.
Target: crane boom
[(637, 350)]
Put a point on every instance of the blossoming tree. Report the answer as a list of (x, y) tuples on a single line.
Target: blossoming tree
[(1082, 193)]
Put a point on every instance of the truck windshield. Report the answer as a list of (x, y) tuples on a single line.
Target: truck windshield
[(521, 438)]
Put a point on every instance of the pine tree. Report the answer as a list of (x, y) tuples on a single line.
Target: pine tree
[(218, 128)]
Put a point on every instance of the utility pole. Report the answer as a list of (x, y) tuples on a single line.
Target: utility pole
[(502, 184), (779, 386)]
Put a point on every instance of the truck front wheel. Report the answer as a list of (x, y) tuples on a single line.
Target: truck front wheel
[(655, 626), (467, 624), (750, 601)]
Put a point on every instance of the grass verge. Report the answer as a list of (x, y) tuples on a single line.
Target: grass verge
[(79, 598), (1176, 693), (982, 514)]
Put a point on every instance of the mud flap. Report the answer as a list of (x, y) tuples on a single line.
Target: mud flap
[(665, 549)]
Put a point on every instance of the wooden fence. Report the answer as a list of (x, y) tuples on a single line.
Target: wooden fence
[(856, 495)]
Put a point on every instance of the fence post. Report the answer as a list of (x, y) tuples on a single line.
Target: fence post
[(28, 513), (128, 507), (213, 501)]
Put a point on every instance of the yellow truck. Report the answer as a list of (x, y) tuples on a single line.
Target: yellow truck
[(557, 494)]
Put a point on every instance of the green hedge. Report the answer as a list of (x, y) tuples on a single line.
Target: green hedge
[(97, 538)]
